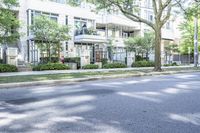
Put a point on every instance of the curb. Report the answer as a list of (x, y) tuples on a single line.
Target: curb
[(77, 80)]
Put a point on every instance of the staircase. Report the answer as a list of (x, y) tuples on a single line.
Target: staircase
[(23, 67)]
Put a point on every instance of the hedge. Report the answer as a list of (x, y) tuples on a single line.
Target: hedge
[(104, 61), (7, 68), (45, 60), (1, 61), (90, 66), (114, 65), (50, 66), (143, 63), (173, 64)]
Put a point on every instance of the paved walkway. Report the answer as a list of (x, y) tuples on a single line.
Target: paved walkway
[(77, 71)]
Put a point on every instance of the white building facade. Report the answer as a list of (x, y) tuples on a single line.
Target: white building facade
[(110, 29)]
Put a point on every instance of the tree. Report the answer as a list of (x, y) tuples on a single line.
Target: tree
[(141, 45), (8, 22), (170, 49), (49, 34), (148, 43), (134, 44), (161, 9), (187, 36)]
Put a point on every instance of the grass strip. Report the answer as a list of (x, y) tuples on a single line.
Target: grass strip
[(30, 78)]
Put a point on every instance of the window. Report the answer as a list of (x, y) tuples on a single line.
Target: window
[(168, 26), (59, 1), (52, 16), (66, 46), (66, 20)]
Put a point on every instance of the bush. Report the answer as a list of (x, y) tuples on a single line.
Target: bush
[(138, 58), (114, 65), (76, 60), (90, 66), (143, 63), (45, 60), (173, 64), (7, 68), (50, 66), (104, 61), (1, 61)]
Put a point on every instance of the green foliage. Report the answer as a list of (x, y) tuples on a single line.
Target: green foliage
[(143, 63), (45, 60), (173, 64), (90, 66), (141, 45), (104, 61), (187, 36), (114, 65), (7, 68), (171, 48), (8, 22), (74, 60), (1, 61), (49, 34), (138, 58), (50, 66)]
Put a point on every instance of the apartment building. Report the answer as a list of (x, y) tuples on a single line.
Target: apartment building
[(106, 29)]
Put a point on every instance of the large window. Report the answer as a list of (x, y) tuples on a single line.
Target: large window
[(80, 22), (59, 1), (52, 16)]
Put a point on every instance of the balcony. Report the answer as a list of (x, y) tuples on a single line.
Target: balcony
[(88, 36)]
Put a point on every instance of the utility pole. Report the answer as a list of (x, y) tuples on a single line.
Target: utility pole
[(196, 53)]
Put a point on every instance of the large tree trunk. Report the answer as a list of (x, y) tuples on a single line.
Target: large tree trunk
[(157, 50)]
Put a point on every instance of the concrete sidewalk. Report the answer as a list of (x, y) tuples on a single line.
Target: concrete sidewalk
[(80, 71)]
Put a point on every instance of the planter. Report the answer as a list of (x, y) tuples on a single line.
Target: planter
[(73, 66)]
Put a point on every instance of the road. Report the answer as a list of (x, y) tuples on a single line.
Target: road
[(157, 104)]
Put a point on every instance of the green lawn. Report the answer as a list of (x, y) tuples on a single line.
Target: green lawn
[(30, 78)]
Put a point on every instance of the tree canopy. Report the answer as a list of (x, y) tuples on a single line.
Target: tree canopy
[(161, 14), (141, 45), (49, 34), (9, 23)]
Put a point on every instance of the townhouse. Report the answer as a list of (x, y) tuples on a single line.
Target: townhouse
[(104, 31)]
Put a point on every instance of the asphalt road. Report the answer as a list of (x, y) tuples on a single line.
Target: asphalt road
[(158, 104)]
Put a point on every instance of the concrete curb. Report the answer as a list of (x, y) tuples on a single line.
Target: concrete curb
[(76, 80)]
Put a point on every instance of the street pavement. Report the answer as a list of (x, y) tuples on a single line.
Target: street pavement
[(154, 104)]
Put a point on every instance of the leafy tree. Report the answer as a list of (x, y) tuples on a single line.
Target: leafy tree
[(141, 45), (8, 22), (49, 35), (170, 49), (148, 43), (161, 9), (187, 27)]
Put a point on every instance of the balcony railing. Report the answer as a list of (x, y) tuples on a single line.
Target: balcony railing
[(89, 36)]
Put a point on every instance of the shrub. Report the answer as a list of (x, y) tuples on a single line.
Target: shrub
[(1, 61), (45, 60), (143, 63), (173, 64), (7, 68), (76, 60), (114, 65), (104, 61), (90, 66), (50, 66), (138, 58)]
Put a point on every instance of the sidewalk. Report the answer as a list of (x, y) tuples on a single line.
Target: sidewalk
[(80, 71)]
